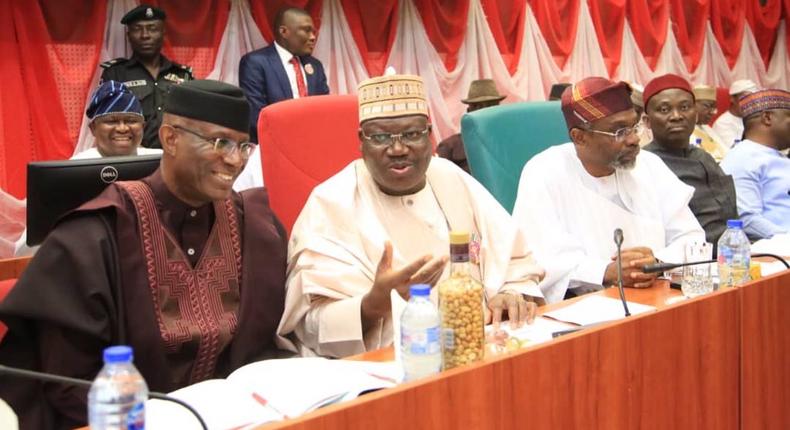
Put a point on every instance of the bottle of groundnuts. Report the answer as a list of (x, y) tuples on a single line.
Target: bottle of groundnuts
[(461, 306)]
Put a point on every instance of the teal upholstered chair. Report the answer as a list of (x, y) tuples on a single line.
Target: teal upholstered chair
[(500, 140)]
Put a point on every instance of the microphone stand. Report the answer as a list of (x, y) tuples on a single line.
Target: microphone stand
[(46, 377), (618, 240)]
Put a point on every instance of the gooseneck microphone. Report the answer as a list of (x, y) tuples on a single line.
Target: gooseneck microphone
[(58, 379), (618, 240), (663, 267)]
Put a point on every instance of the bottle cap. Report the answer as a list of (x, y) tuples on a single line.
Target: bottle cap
[(420, 290), (458, 237), (118, 354), (734, 223)]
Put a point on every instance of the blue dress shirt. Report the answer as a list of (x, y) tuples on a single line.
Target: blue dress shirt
[(762, 186)]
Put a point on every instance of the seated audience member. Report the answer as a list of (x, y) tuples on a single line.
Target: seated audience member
[(730, 124), (672, 115), (177, 265), (382, 224), (482, 94), (572, 197), (645, 135), (703, 135), (116, 123), (760, 170)]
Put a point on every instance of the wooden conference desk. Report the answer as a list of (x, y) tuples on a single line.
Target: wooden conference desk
[(717, 362)]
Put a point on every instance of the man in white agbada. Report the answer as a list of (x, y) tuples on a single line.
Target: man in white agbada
[(729, 126), (382, 224), (573, 196)]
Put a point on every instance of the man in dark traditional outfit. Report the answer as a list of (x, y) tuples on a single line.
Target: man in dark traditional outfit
[(177, 265), (672, 115)]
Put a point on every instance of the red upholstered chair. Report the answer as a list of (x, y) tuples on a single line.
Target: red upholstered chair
[(303, 142)]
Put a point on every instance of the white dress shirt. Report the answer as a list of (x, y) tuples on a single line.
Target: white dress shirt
[(285, 57)]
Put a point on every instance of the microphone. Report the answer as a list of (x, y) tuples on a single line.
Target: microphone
[(663, 267), (58, 379), (618, 240)]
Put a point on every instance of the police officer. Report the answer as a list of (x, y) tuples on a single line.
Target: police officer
[(148, 74)]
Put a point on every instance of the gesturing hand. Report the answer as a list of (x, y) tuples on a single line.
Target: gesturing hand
[(424, 270)]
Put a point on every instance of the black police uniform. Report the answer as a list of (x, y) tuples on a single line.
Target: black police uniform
[(150, 91)]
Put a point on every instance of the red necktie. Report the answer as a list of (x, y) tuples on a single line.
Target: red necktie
[(299, 78)]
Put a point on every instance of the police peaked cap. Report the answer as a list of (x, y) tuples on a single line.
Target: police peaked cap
[(142, 12)]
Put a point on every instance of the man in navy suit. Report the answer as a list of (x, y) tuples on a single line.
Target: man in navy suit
[(285, 69)]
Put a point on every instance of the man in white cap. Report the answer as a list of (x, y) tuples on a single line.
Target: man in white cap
[(383, 223), (730, 124), (703, 135)]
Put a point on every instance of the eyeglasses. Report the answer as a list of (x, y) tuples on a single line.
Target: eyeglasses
[(385, 140), (223, 146), (621, 134)]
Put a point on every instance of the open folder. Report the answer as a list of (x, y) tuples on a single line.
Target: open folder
[(270, 390)]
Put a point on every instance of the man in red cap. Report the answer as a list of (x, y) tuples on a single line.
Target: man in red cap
[(572, 197), (672, 115)]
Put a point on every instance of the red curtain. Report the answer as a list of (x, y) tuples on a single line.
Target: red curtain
[(264, 12), (557, 22), (764, 21), (43, 58), (648, 20), (193, 34), (608, 16), (445, 22), (373, 25), (506, 19), (689, 21), (727, 20)]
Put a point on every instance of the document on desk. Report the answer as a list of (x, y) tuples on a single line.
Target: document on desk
[(539, 331), (596, 309)]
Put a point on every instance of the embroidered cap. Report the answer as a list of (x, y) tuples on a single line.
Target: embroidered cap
[(142, 12), (113, 97), (762, 100), (666, 82), (594, 98), (391, 96), (705, 92), (210, 101)]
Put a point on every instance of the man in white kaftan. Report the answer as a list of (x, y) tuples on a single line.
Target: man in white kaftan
[(573, 196), (340, 249)]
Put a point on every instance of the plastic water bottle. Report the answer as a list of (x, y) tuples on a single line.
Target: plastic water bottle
[(420, 322), (734, 255), (116, 400), (698, 142)]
